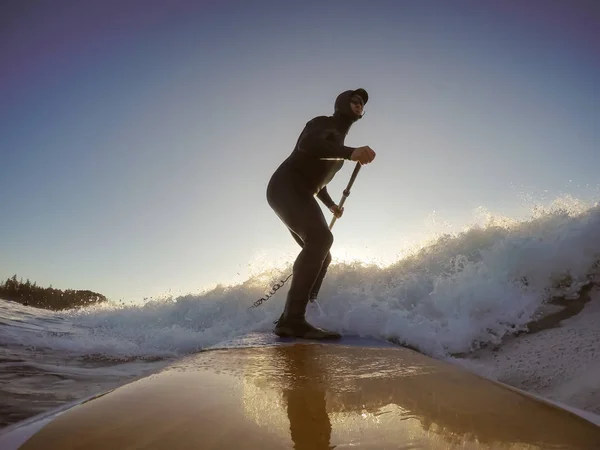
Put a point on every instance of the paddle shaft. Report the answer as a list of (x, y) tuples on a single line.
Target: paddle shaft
[(346, 192)]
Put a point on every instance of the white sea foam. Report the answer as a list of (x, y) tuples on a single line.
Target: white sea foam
[(561, 364), (451, 295)]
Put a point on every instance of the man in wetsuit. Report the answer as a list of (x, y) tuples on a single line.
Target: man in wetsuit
[(319, 154)]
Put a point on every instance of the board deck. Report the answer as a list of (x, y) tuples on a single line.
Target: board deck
[(263, 339), (311, 395)]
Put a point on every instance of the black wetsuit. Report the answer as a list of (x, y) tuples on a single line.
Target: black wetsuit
[(318, 155)]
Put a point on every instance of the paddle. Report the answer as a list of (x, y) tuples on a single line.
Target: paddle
[(346, 192)]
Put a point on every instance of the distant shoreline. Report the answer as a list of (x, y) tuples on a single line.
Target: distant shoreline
[(30, 294)]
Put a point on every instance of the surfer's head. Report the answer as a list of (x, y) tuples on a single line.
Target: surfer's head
[(350, 104)]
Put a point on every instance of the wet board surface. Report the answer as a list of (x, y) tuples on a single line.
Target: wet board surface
[(270, 339), (308, 395)]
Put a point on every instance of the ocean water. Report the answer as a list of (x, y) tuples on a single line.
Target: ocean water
[(479, 298)]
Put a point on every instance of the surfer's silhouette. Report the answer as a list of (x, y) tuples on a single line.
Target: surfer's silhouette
[(318, 155), (310, 427)]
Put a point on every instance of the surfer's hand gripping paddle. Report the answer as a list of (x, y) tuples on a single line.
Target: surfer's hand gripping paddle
[(345, 195)]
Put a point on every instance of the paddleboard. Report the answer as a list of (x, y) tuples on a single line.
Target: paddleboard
[(310, 395), (263, 339)]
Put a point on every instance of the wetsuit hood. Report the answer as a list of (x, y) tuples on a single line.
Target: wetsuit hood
[(342, 109)]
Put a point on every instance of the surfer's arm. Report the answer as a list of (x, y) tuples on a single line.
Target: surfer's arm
[(314, 141), (324, 196)]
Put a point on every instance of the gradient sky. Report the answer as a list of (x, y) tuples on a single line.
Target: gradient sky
[(137, 137)]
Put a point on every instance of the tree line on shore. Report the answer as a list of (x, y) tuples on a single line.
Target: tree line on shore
[(31, 294)]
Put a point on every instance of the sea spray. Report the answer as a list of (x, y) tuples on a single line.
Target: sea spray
[(451, 295)]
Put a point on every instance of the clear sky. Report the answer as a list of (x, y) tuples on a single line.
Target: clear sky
[(137, 137)]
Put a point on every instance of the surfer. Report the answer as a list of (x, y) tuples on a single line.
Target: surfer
[(318, 155)]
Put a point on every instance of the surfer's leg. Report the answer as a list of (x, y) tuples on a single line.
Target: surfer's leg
[(314, 292), (302, 215), (306, 220)]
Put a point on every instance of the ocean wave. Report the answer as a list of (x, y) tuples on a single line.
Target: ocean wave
[(454, 294)]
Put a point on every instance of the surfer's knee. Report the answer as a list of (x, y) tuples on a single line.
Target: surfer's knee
[(320, 241), (326, 240)]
